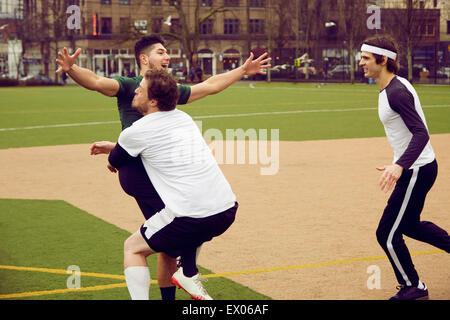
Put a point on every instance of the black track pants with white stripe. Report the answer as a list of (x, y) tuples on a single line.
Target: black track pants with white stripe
[(402, 217)]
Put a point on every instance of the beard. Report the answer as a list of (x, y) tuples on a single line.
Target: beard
[(140, 108)]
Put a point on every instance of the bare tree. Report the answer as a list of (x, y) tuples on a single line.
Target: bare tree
[(409, 22), (189, 33), (353, 15), (285, 21)]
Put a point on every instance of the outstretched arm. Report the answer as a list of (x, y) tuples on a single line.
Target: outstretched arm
[(85, 77), (104, 147), (220, 82)]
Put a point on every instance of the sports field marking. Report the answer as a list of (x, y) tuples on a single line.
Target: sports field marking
[(62, 271), (213, 275), (319, 87), (60, 291), (216, 116)]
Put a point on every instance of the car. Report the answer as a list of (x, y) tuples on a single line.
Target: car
[(312, 71), (179, 73), (37, 80), (340, 71), (443, 72)]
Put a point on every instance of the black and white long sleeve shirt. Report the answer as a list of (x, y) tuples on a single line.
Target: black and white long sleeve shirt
[(404, 122)]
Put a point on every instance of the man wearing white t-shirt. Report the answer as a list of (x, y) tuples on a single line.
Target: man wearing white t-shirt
[(199, 201)]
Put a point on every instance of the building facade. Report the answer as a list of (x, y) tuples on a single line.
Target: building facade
[(329, 31)]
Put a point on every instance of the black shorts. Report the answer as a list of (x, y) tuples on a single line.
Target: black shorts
[(175, 235)]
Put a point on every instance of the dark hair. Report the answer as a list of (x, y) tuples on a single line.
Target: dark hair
[(163, 88), (144, 43), (385, 42)]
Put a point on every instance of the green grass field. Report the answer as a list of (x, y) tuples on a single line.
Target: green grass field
[(55, 235), (68, 115)]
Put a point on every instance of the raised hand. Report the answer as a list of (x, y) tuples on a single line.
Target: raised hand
[(65, 61), (258, 65)]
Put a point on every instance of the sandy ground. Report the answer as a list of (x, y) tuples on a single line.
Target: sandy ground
[(322, 206)]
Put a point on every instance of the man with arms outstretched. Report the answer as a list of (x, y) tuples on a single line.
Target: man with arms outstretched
[(151, 53)]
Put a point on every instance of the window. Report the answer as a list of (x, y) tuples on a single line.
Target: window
[(141, 26), (175, 26), (124, 2), (422, 4), (207, 3), (124, 24), (231, 26), (157, 25), (156, 3), (106, 24), (427, 29), (448, 26), (206, 27), (173, 3), (256, 26), (257, 3), (107, 2), (231, 3)]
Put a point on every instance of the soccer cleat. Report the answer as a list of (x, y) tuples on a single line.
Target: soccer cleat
[(192, 285), (410, 293)]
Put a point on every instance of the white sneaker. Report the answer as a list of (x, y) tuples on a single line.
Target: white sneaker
[(192, 285)]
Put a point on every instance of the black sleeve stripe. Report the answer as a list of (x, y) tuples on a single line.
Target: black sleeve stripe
[(401, 101)]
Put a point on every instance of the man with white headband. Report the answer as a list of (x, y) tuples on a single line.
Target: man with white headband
[(413, 170)]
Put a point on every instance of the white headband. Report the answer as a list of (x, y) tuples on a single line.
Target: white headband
[(380, 51)]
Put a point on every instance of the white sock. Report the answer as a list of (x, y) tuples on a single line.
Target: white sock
[(138, 282)]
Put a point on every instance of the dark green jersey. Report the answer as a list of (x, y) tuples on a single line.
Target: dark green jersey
[(125, 96)]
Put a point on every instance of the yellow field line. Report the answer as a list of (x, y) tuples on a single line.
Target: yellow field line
[(62, 271), (311, 265), (215, 275), (58, 291)]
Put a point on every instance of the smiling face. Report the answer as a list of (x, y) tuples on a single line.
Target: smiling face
[(370, 66), (155, 57)]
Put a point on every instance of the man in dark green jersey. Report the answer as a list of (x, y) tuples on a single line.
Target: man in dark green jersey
[(151, 53)]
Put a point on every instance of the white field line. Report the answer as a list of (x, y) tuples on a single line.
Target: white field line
[(215, 116)]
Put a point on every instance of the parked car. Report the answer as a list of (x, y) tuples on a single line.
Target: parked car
[(443, 72), (312, 71), (37, 80), (280, 71), (340, 71)]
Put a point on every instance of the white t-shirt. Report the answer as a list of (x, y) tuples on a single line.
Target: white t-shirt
[(179, 163), (404, 122)]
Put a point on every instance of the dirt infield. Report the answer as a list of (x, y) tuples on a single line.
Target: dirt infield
[(307, 232)]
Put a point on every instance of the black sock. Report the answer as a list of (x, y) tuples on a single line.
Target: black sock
[(189, 263), (168, 293)]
